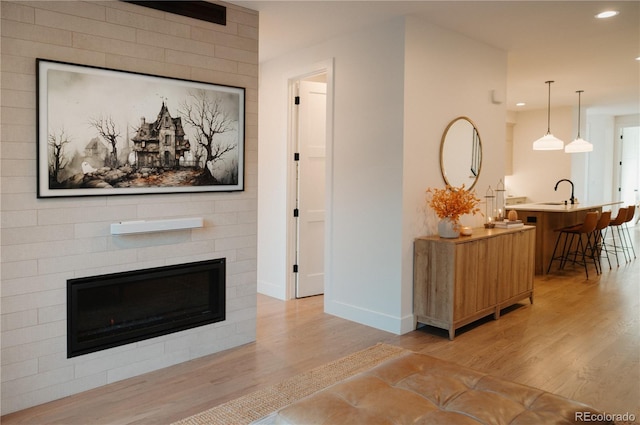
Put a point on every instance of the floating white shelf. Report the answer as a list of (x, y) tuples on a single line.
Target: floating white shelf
[(144, 226)]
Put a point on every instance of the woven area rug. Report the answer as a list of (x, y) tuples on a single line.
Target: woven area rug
[(261, 403)]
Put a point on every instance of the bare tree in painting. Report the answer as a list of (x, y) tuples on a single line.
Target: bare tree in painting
[(108, 130), (198, 152), (206, 113), (57, 160)]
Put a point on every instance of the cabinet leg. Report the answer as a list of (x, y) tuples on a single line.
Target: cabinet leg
[(452, 333), (496, 314), (531, 298)]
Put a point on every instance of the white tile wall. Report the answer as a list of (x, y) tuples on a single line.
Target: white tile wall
[(44, 242)]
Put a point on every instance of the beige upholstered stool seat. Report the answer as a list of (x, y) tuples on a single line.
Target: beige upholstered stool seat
[(419, 389)]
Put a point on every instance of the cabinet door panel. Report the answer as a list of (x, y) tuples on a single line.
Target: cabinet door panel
[(488, 276), (434, 269), (466, 280), (525, 268)]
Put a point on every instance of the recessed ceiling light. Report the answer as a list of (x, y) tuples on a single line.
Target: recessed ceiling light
[(638, 58), (520, 104), (607, 14)]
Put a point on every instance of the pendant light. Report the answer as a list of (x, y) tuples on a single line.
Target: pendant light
[(578, 145), (548, 142)]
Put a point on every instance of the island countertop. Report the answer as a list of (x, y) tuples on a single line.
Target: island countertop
[(558, 207), (548, 217)]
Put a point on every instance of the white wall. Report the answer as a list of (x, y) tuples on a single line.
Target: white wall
[(599, 178), (363, 223), (535, 173), (47, 241), (447, 75), (397, 86)]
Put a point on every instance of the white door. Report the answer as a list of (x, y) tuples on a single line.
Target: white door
[(311, 188), (630, 166)]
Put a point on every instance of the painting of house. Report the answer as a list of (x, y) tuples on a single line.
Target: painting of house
[(160, 143), (95, 151)]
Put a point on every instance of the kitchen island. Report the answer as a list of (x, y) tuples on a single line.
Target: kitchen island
[(547, 217)]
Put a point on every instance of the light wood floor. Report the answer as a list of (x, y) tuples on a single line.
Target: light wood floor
[(581, 339)]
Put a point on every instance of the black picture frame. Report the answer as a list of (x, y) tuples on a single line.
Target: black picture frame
[(108, 132)]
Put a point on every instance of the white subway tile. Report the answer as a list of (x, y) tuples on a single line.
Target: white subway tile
[(18, 320), (154, 363), (52, 313), (34, 350), (237, 242), (148, 23), (117, 360), (20, 12), (11, 219), (19, 269), (31, 383), (14, 371), (33, 284), (33, 333), (38, 33), (84, 25), (43, 395)]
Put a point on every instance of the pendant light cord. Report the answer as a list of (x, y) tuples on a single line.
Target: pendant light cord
[(579, 93), (549, 108)]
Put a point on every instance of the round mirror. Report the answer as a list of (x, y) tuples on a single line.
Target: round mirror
[(461, 153)]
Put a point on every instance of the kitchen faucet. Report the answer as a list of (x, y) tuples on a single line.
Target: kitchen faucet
[(572, 199)]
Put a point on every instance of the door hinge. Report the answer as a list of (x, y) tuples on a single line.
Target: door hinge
[(296, 156), (295, 268), (296, 100), (296, 212)]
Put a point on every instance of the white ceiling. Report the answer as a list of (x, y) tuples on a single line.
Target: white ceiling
[(545, 40)]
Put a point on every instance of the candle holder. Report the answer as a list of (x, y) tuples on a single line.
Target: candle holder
[(500, 203), (489, 208)]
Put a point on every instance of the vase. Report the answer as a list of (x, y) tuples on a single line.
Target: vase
[(448, 228)]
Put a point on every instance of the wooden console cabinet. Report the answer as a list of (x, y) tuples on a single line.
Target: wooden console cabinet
[(458, 281)]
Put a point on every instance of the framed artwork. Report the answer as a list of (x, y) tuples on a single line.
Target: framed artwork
[(108, 132)]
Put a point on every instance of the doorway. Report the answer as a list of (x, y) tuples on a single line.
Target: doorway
[(309, 136), (629, 166)]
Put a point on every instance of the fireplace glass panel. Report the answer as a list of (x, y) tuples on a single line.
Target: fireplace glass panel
[(111, 310)]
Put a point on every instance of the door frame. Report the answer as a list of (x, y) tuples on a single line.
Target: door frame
[(620, 124), (324, 67)]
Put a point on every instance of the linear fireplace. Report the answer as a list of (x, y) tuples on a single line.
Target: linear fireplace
[(115, 309)]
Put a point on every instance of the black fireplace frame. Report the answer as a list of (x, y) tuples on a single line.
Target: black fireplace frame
[(217, 282)]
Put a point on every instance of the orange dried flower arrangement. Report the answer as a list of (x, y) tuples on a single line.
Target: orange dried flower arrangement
[(452, 202)]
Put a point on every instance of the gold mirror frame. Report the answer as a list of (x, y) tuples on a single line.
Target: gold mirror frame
[(457, 149)]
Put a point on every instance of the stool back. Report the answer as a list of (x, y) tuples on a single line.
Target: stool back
[(604, 220), (590, 222), (620, 218), (631, 211)]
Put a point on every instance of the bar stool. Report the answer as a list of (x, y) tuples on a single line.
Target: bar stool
[(598, 238), (583, 232), (614, 225), (631, 212)]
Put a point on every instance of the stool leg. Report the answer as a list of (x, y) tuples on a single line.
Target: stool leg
[(626, 228), (615, 248), (601, 246), (623, 244), (592, 250), (553, 256), (583, 250), (576, 251)]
